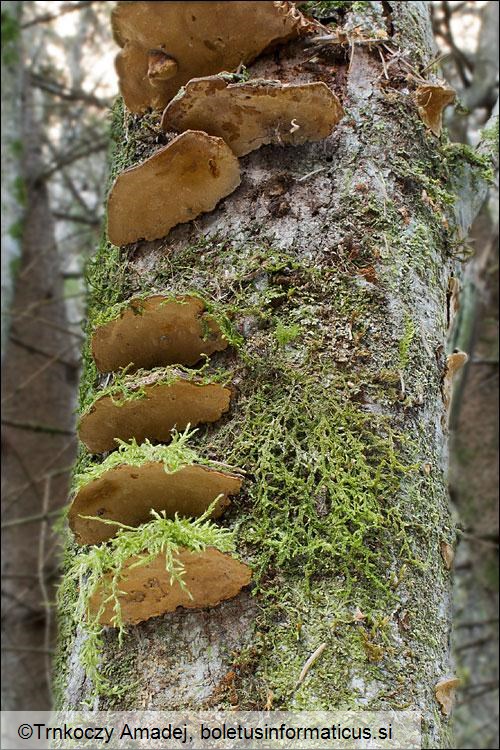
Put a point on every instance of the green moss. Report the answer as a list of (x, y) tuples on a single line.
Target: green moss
[(11, 30), (325, 8), (16, 230), (99, 569), (489, 135), (324, 477), (173, 456), (214, 311), (127, 387), (457, 155), (286, 334)]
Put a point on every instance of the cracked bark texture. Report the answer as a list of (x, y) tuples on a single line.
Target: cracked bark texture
[(352, 212)]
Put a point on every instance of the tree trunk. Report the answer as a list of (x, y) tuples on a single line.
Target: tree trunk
[(474, 490), (38, 447), (11, 119), (334, 260)]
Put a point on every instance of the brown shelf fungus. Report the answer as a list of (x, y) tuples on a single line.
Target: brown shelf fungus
[(165, 44), (157, 331), (127, 493), (252, 114), (179, 182), (151, 408), (432, 99), (147, 590)]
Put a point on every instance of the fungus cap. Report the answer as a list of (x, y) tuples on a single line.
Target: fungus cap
[(147, 590), (444, 691), (432, 98), (179, 402), (127, 493), (254, 113), (179, 182), (195, 39), (157, 331)]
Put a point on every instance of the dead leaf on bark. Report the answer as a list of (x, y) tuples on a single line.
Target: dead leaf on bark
[(359, 616), (431, 100), (445, 693), (369, 273), (404, 620)]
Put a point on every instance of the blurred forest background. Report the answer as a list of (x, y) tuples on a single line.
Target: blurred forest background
[(58, 83)]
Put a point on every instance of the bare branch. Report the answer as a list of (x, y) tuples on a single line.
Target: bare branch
[(35, 350), (31, 519), (63, 10), (92, 222), (79, 153), (36, 427), (72, 95)]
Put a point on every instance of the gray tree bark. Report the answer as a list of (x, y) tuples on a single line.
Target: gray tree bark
[(335, 260)]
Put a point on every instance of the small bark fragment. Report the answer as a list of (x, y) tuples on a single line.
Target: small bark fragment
[(161, 67), (454, 362)]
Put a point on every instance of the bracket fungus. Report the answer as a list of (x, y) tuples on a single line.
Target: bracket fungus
[(432, 98), (165, 44), (444, 691), (179, 182), (147, 589), (152, 408), (127, 493), (254, 113), (157, 331), (454, 363)]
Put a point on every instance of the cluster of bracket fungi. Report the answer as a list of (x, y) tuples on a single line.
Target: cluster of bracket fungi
[(166, 46)]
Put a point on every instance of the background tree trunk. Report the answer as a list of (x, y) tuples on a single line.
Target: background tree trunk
[(334, 259), (38, 445), (11, 119)]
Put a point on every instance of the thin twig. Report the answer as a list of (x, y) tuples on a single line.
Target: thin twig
[(43, 586), (63, 10), (31, 649), (36, 427), (310, 174), (477, 623), (312, 659), (30, 519)]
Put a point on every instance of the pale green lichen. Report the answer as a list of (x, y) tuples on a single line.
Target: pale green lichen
[(406, 341)]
